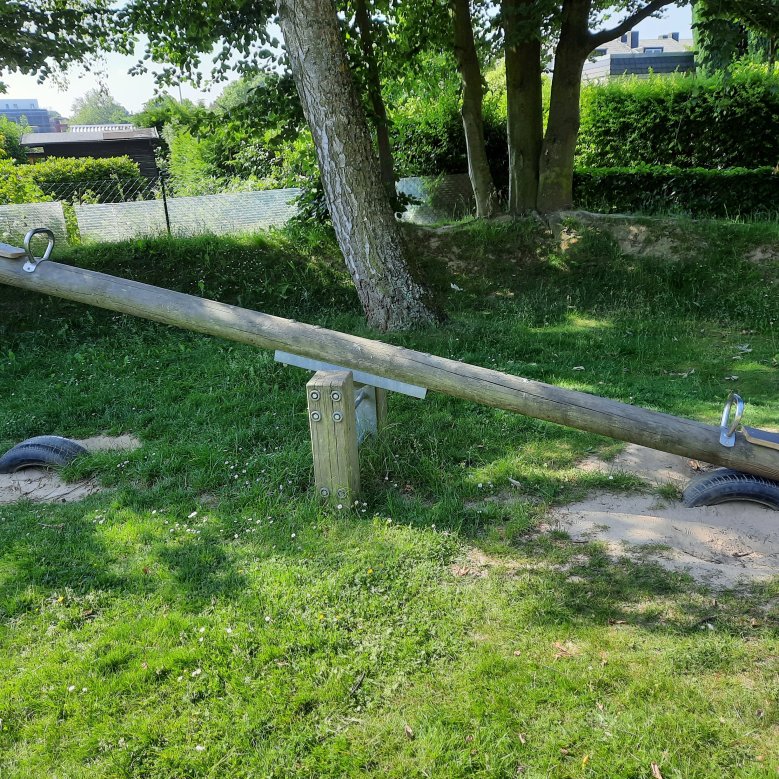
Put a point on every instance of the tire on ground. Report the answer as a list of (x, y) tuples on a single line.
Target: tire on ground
[(724, 485), (41, 451)]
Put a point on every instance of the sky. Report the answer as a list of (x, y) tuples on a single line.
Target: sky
[(133, 91)]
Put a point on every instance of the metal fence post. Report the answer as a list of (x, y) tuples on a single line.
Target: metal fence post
[(165, 202)]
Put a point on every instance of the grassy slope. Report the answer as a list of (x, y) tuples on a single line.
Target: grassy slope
[(266, 636)]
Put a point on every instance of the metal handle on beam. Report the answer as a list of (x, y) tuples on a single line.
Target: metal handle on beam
[(32, 261), (727, 435)]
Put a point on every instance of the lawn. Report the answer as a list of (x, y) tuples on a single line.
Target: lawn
[(206, 616)]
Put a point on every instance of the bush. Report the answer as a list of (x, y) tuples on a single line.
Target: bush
[(428, 137), (190, 173), (16, 185), (685, 121), (10, 140), (694, 191), (109, 180)]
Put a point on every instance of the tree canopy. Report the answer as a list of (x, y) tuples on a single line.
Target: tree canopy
[(98, 107), (728, 29), (38, 35)]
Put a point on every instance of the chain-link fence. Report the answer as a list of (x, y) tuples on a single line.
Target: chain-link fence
[(111, 190), (121, 208)]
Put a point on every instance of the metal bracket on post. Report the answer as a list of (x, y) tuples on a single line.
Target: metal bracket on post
[(360, 377), (332, 420), (371, 410)]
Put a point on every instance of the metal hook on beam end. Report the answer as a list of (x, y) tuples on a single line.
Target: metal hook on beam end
[(32, 261), (727, 435)]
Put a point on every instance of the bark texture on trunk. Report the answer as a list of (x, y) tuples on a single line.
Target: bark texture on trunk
[(473, 122), (555, 186), (524, 106), (379, 109), (365, 225)]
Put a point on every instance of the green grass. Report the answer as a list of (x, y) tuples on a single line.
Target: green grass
[(207, 617)]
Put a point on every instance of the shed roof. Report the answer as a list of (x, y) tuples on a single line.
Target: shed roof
[(48, 139)]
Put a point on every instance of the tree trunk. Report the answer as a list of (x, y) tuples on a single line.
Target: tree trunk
[(524, 106), (473, 123), (380, 120), (364, 222), (555, 186)]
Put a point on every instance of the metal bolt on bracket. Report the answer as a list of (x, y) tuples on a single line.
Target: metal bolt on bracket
[(336, 396), (324, 492), (341, 493), (337, 416), (315, 416), (315, 395)]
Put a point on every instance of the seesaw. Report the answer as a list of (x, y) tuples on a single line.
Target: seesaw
[(347, 395)]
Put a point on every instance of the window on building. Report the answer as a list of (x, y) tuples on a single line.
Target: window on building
[(653, 50)]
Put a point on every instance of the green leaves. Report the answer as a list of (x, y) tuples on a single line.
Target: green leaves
[(98, 107), (694, 191), (706, 122)]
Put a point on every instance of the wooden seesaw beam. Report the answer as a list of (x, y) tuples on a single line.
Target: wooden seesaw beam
[(469, 382)]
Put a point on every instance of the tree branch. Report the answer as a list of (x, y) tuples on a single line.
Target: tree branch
[(604, 36)]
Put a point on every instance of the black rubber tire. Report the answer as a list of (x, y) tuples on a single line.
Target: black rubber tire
[(40, 451), (725, 485)]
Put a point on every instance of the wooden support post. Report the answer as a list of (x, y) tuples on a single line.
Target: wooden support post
[(331, 416)]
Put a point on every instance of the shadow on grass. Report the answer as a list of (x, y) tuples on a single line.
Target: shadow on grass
[(202, 570), (45, 549)]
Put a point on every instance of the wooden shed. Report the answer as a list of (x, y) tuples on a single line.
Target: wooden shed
[(138, 144)]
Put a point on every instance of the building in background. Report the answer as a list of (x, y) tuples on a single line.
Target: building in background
[(632, 56), (98, 141), (27, 110)]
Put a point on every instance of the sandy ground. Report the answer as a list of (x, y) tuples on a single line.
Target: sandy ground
[(720, 545), (41, 485)]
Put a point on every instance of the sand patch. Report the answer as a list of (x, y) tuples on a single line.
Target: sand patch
[(42, 485), (720, 545), (763, 254)]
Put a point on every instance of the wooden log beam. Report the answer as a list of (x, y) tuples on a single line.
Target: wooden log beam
[(470, 382)]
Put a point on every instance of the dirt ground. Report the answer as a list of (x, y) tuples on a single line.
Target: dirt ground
[(42, 485), (720, 545)]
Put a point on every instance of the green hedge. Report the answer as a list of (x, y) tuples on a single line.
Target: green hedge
[(693, 191), (685, 121), (108, 180), (428, 138)]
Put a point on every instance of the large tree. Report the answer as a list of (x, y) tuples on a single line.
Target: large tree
[(367, 232), (522, 30), (541, 168), (466, 54), (362, 216)]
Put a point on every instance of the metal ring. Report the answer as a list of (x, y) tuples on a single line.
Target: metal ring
[(314, 394), (341, 493), (324, 492), (337, 416), (316, 416), (336, 396)]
